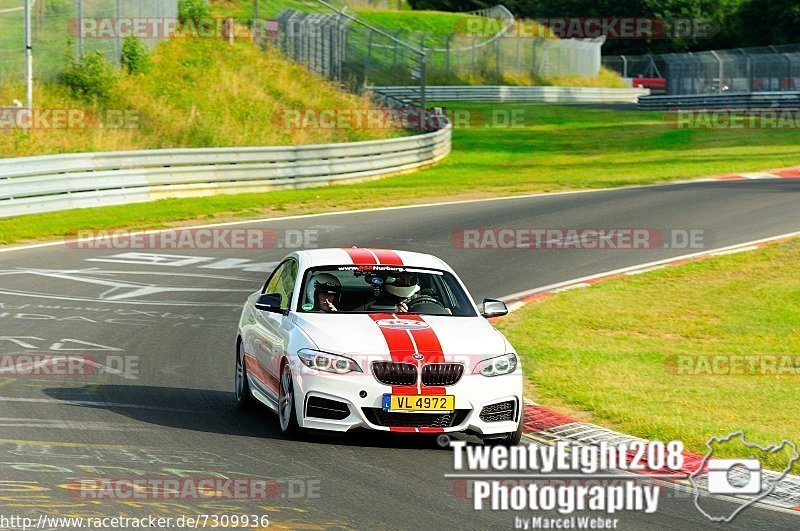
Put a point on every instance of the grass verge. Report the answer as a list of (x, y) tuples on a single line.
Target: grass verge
[(552, 148), (199, 92), (620, 353)]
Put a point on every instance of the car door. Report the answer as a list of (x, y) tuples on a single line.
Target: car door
[(274, 328)]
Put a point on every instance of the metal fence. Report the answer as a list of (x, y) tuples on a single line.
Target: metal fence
[(773, 101), (502, 94), (63, 29), (515, 56), (61, 182), (741, 70), (377, 4), (510, 52), (335, 44), (338, 44)]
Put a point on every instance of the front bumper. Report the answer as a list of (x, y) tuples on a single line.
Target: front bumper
[(363, 396)]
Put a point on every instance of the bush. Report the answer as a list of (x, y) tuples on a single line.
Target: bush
[(135, 59), (192, 12), (90, 79)]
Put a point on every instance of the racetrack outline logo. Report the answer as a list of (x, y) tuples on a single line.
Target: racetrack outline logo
[(402, 324), (771, 449)]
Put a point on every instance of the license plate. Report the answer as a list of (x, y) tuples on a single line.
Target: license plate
[(433, 403)]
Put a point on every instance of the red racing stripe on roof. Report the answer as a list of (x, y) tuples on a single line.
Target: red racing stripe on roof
[(387, 257), (373, 256), (361, 256)]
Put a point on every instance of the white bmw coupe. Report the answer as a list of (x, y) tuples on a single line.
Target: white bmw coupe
[(340, 339)]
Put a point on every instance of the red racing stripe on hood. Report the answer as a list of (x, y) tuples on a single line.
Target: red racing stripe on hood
[(429, 346), (404, 344), (401, 349)]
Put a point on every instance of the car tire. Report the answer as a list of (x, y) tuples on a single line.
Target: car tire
[(510, 439), (244, 398), (287, 414)]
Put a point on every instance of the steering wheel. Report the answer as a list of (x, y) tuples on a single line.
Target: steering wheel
[(424, 299)]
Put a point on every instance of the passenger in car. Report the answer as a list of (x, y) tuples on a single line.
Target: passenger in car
[(326, 292)]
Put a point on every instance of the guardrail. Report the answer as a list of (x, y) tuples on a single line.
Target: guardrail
[(61, 182), (500, 94), (740, 100)]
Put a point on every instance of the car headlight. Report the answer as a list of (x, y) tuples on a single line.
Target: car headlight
[(505, 364), (323, 361)]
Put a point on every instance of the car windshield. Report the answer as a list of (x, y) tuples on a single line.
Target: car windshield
[(383, 289)]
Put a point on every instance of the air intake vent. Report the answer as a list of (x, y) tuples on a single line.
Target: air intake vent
[(415, 420), (323, 408), (499, 412)]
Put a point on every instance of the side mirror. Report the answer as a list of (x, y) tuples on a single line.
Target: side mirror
[(270, 302), (494, 308)]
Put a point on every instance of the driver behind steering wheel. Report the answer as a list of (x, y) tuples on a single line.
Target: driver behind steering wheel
[(401, 292), (396, 294)]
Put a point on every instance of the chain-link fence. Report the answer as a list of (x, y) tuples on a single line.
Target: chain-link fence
[(487, 47), (510, 57), (337, 45), (377, 4), (65, 29), (510, 52), (771, 68)]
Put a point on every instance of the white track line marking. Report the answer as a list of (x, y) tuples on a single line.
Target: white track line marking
[(760, 176), (646, 266), (378, 209)]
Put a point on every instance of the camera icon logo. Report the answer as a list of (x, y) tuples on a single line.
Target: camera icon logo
[(734, 476)]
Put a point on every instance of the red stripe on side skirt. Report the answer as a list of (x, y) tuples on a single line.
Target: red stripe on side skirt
[(260, 373)]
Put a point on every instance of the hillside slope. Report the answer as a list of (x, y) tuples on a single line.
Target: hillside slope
[(198, 93)]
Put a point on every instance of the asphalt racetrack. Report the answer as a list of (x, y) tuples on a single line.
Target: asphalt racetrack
[(166, 325)]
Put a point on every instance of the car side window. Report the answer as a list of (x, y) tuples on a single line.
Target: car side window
[(286, 281), (272, 283), (282, 282)]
